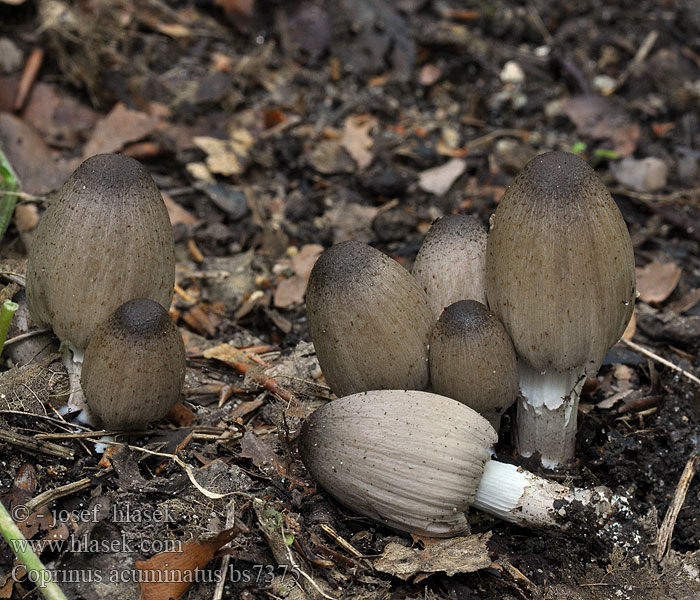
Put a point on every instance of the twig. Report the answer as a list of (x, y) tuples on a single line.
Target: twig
[(60, 492), (28, 334), (663, 539), (226, 559), (23, 551), (523, 134), (649, 354), (341, 541), (27, 443), (658, 199), (31, 70), (639, 57), (26, 196)]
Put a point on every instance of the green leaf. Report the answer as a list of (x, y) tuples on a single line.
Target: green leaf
[(8, 183), (605, 153), (578, 148)]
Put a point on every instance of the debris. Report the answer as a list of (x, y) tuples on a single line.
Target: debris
[(645, 175), (454, 555), (439, 180), (356, 139), (656, 281), (120, 127)]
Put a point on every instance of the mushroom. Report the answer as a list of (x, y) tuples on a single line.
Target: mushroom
[(105, 239), (369, 321), (451, 261), (473, 360), (416, 461), (560, 277), (134, 366)]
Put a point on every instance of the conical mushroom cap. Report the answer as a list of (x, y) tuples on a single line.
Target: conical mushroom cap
[(450, 265), (560, 265), (411, 460), (369, 321), (472, 359), (105, 239), (134, 366)]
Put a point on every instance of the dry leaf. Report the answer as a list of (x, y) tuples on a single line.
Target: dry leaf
[(261, 453), (439, 180), (656, 281), (226, 157), (603, 119), (176, 213), (120, 127), (356, 139), (170, 574), (454, 555), (292, 290)]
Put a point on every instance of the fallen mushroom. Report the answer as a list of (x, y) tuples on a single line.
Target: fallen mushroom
[(134, 366), (415, 461), (472, 360), (369, 321), (560, 277), (105, 239), (450, 264)]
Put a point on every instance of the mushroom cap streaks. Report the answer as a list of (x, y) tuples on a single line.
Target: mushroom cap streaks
[(560, 265), (411, 460)]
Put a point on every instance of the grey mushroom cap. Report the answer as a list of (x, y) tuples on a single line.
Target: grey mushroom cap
[(450, 264), (370, 321), (560, 265), (134, 366), (411, 460), (472, 359), (105, 239)]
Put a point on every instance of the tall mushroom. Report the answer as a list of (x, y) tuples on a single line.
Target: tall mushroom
[(416, 461), (450, 263), (369, 321), (473, 360), (560, 276), (105, 239)]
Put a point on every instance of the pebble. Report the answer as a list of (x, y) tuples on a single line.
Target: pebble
[(642, 175), (512, 72), (10, 56)]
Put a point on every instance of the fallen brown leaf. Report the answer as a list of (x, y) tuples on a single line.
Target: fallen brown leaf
[(356, 139), (656, 281), (170, 574), (120, 127), (439, 180)]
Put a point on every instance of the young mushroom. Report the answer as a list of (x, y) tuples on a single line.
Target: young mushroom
[(450, 264), (560, 277), (473, 360), (416, 461), (369, 321), (105, 239), (134, 366)]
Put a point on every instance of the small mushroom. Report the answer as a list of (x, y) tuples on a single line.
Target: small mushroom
[(560, 277), (416, 461), (369, 321), (134, 366), (105, 239), (472, 360), (450, 264)]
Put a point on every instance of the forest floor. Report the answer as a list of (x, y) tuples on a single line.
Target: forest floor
[(275, 129)]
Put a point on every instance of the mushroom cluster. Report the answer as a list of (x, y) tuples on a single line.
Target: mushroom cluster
[(104, 241), (530, 307)]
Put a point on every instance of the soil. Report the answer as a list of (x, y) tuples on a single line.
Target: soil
[(275, 129)]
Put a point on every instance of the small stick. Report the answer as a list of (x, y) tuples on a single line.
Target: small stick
[(28, 334), (639, 57), (341, 541), (649, 354), (31, 70), (663, 539), (60, 492), (226, 558), (27, 443)]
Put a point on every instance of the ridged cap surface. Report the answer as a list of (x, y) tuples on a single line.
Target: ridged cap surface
[(472, 359), (105, 239), (560, 265), (134, 366), (451, 262), (408, 459), (369, 321)]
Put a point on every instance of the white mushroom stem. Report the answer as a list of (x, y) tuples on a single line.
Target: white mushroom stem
[(73, 361), (547, 411), (513, 494)]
